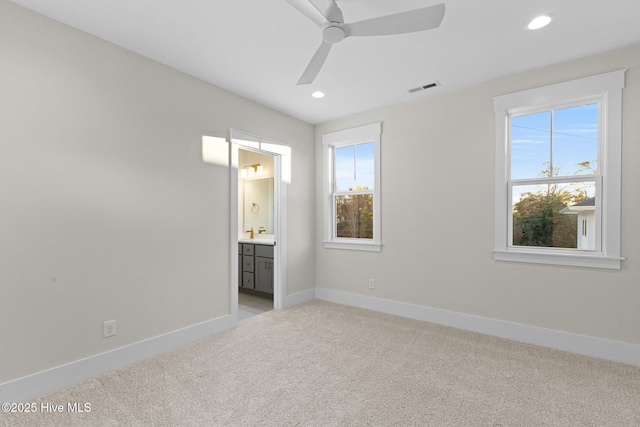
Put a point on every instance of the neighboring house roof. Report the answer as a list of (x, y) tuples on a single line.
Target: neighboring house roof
[(585, 205), (591, 201)]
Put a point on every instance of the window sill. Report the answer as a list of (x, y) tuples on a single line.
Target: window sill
[(555, 258), (353, 245)]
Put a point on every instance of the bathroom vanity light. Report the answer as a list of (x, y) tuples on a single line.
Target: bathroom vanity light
[(251, 171)]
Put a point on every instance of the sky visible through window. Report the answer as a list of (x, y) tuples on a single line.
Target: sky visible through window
[(561, 139), (354, 167)]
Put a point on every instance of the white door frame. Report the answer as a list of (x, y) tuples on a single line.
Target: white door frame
[(282, 167)]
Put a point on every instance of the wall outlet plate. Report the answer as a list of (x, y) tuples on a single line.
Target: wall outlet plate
[(109, 328)]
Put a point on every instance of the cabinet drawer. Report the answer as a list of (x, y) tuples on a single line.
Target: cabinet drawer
[(247, 263), (247, 280), (264, 251), (247, 249)]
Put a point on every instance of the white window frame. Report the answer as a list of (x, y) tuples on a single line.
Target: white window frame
[(606, 89), (358, 135)]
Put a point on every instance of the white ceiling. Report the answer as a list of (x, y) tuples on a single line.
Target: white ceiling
[(258, 49)]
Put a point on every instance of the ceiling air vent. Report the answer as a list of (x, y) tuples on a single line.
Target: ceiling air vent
[(429, 86)]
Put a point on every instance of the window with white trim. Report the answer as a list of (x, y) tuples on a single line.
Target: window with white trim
[(352, 188), (558, 173)]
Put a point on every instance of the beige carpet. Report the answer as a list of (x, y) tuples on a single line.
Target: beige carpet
[(323, 364)]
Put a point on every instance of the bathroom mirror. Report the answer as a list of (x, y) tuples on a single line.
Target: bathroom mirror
[(258, 205)]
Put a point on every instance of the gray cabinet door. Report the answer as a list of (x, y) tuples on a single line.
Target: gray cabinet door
[(264, 273)]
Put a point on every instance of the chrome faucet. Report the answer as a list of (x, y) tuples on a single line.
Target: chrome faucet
[(250, 231)]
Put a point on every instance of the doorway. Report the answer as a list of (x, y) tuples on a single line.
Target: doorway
[(256, 232), (254, 154)]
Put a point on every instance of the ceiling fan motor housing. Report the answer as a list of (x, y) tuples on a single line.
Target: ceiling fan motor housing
[(333, 33)]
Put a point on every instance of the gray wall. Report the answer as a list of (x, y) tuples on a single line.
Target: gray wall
[(438, 216), (106, 208)]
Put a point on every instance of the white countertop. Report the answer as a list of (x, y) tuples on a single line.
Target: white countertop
[(258, 240)]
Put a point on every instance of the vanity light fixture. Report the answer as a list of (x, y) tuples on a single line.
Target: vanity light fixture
[(539, 22), (251, 171)]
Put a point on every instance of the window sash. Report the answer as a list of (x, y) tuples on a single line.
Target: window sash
[(356, 168), (519, 112), (335, 197), (596, 180)]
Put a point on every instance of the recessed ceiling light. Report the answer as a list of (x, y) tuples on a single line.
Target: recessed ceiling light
[(539, 22), (318, 94)]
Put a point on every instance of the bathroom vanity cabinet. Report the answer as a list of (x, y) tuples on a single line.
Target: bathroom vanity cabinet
[(255, 267)]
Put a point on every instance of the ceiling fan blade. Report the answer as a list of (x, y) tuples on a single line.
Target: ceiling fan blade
[(315, 64), (309, 10), (399, 23)]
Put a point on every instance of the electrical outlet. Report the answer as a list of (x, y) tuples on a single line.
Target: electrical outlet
[(371, 284), (109, 328)]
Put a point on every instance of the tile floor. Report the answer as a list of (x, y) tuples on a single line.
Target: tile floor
[(251, 305)]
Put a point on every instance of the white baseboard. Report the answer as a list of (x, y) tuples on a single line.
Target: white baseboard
[(299, 298), (41, 383), (589, 346)]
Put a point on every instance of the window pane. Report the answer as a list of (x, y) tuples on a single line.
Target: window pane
[(344, 168), (555, 215), (575, 140), (562, 142), (364, 166), (530, 145), (354, 216), (354, 167)]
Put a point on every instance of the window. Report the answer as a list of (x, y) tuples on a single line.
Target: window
[(553, 166), (558, 173), (352, 188)]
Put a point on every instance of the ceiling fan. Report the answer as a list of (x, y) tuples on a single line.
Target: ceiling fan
[(334, 29)]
